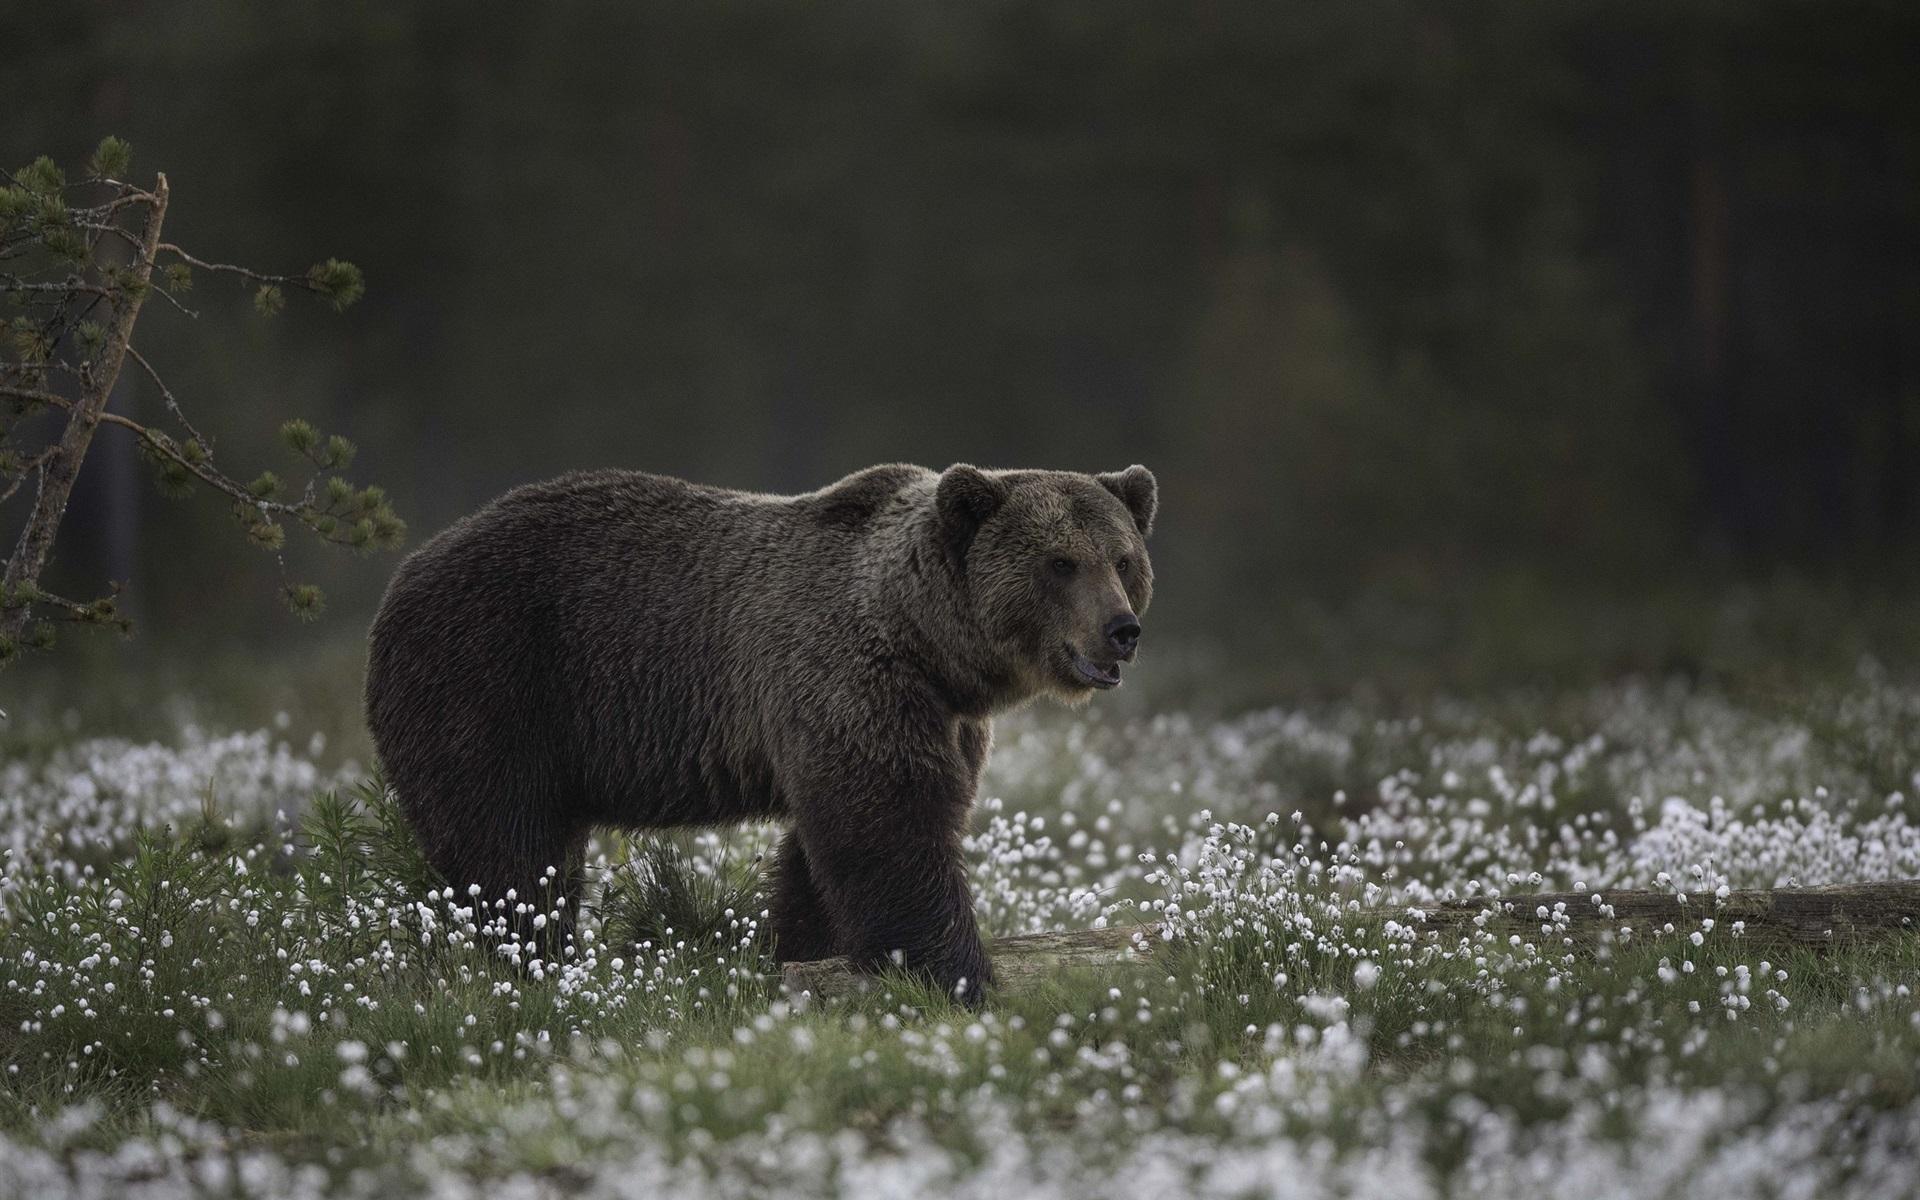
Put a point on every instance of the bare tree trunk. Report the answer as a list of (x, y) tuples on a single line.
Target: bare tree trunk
[(1816, 918), (60, 470)]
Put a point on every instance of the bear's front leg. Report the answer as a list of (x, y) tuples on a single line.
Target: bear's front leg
[(883, 841)]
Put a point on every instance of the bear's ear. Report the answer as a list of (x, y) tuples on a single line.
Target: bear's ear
[(966, 497), (1138, 490)]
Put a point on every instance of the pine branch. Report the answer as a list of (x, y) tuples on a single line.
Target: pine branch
[(29, 557), (246, 273), (99, 612), (69, 284), (166, 396), (25, 469), (325, 521), (35, 396), (163, 445), (174, 300), (339, 282), (68, 287)]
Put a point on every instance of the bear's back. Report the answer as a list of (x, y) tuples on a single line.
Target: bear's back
[(638, 632)]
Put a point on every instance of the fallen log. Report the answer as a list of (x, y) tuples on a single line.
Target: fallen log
[(1769, 920)]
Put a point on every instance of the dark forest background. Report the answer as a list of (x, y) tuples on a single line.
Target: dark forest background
[(1466, 339)]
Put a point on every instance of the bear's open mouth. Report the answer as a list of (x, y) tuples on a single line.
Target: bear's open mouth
[(1098, 676)]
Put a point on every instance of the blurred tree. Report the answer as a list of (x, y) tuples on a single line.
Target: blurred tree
[(1418, 297), (75, 276)]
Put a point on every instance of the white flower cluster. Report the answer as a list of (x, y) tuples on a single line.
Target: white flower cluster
[(82, 806)]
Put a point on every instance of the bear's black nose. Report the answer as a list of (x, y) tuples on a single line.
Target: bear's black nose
[(1123, 634)]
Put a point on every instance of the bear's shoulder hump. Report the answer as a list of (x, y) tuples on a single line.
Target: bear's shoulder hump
[(857, 499)]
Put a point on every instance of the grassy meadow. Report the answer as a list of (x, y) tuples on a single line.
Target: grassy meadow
[(224, 970)]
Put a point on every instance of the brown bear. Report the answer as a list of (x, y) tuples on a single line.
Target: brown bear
[(616, 648)]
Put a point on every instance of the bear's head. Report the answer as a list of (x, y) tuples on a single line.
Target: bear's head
[(1055, 568)]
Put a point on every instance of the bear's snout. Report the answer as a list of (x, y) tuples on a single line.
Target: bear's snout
[(1123, 635)]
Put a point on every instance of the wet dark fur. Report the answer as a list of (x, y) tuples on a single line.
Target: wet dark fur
[(624, 649)]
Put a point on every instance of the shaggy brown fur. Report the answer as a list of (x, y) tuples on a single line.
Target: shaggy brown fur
[(624, 649)]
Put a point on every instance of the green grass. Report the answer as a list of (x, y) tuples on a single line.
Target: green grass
[(309, 996), (189, 959)]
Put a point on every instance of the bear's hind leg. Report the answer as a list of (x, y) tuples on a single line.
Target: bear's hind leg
[(555, 895), (527, 866), (802, 931)]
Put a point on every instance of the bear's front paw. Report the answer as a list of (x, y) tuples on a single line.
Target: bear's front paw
[(968, 976), (963, 972)]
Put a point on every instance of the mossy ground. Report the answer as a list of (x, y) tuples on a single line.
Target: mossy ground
[(226, 970)]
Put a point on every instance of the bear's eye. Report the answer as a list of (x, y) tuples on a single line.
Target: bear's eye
[(1123, 566), (1063, 567)]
